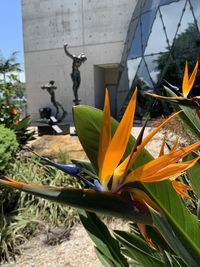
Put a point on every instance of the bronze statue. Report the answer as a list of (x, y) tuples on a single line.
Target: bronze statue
[(50, 87), (75, 75)]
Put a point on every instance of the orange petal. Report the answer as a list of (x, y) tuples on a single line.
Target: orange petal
[(161, 153), (143, 230), (119, 142), (171, 172), (185, 81), (120, 170), (105, 134), (175, 145), (16, 184), (141, 196), (149, 169), (149, 137), (188, 83), (193, 76), (180, 187)]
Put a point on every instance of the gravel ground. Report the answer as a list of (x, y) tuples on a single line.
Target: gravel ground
[(78, 251)]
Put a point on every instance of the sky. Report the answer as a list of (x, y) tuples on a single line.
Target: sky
[(11, 36)]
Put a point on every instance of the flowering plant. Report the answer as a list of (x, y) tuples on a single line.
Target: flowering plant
[(122, 179)]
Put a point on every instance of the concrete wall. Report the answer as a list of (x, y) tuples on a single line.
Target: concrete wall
[(97, 28)]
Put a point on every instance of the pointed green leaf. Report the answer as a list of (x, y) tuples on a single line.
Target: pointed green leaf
[(87, 122), (102, 238), (138, 249), (188, 115), (193, 174), (174, 240), (84, 164), (104, 259), (23, 124), (105, 203)]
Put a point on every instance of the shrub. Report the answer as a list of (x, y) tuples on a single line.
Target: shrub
[(8, 146), (10, 118)]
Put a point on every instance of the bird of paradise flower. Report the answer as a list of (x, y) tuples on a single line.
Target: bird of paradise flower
[(111, 150), (182, 98), (116, 175)]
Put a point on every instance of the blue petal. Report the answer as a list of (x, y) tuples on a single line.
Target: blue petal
[(71, 169)]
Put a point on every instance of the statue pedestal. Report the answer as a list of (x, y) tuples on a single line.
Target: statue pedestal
[(57, 129), (77, 101)]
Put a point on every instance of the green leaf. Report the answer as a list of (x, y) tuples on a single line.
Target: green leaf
[(23, 124), (104, 259), (106, 244), (138, 249), (167, 259), (105, 203), (173, 240), (88, 122), (185, 224), (188, 115), (193, 174), (84, 164)]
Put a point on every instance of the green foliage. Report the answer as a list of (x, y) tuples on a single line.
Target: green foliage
[(8, 78), (8, 147), (173, 228), (138, 250), (185, 225), (33, 171), (22, 214), (10, 118), (107, 247), (12, 98), (188, 115), (23, 134), (185, 47)]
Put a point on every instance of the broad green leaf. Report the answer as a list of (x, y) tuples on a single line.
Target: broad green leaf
[(188, 115), (138, 249), (173, 240), (193, 174), (23, 123), (87, 122), (105, 203), (84, 164), (184, 223), (103, 240), (104, 259)]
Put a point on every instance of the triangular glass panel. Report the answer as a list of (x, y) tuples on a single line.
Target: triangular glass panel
[(136, 46), (132, 66), (143, 75), (187, 42), (196, 9), (157, 40), (150, 5), (171, 15), (147, 20), (167, 2), (153, 67), (186, 20)]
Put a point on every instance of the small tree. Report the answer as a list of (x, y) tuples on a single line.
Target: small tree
[(9, 69)]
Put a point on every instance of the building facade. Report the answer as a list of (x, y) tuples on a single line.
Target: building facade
[(96, 28), (127, 43)]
